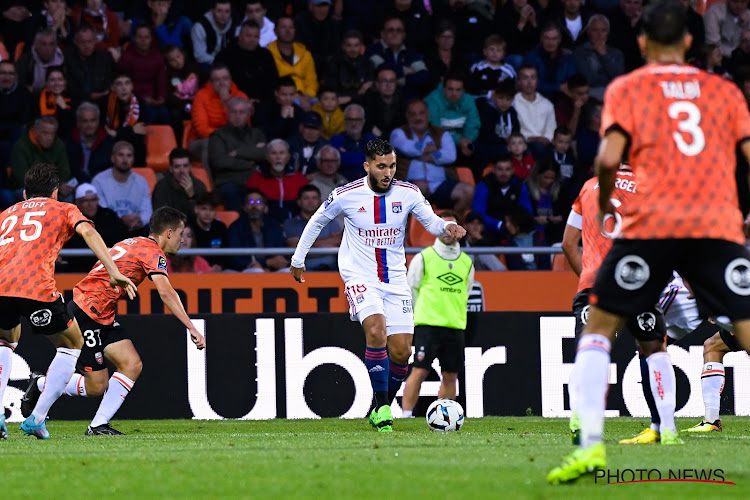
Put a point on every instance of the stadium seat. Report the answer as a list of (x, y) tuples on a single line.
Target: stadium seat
[(465, 174), (160, 141), (227, 216), (19, 50), (560, 263), (202, 175), (187, 129), (417, 235), (148, 174), (487, 170)]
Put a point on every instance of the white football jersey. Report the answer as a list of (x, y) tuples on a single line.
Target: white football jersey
[(372, 248)]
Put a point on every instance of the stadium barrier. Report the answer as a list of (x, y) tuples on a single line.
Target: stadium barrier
[(311, 365)]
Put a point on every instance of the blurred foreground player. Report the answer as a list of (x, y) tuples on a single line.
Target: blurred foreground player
[(94, 306)]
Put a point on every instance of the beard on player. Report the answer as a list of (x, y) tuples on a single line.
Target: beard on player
[(382, 185)]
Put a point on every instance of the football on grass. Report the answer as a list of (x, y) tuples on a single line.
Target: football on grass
[(445, 415)]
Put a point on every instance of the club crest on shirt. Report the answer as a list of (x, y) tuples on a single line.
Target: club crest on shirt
[(99, 358), (396, 207), (162, 264), (329, 200)]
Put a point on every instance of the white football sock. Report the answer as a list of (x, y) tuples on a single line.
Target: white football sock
[(76, 386), (6, 361), (589, 382), (119, 387), (663, 387), (406, 414), (58, 374), (712, 383)]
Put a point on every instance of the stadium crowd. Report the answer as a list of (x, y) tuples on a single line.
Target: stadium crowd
[(245, 115)]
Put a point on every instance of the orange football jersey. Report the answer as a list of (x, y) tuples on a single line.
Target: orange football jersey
[(32, 233), (136, 258), (585, 216), (684, 125)]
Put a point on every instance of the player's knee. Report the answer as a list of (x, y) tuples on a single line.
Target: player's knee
[(132, 368), (96, 387), (713, 344), (399, 354)]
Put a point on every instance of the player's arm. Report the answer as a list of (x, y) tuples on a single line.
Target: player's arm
[(414, 276), (745, 148), (95, 242), (607, 162), (320, 219), (571, 245), (172, 301), (434, 224)]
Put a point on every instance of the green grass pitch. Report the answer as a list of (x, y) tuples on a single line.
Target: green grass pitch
[(493, 457)]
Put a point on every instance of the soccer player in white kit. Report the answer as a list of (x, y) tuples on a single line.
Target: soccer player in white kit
[(373, 265)]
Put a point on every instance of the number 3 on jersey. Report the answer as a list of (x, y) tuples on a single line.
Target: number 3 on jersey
[(28, 220), (689, 119)]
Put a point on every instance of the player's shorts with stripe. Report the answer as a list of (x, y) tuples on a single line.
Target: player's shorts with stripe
[(646, 325), (391, 300), (95, 338), (46, 318), (680, 311), (635, 272), (445, 344)]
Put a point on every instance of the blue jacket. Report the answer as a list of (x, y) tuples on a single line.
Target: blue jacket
[(240, 235), (416, 82), (552, 73), (459, 120), (352, 152)]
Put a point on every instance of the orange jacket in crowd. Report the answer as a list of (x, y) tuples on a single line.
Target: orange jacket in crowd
[(209, 113)]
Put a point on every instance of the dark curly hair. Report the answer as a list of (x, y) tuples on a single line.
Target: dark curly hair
[(378, 147), (41, 180)]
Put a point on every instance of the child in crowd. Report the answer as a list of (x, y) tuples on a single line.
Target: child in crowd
[(182, 82), (561, 152), (498, 120), (523, 161), (208, 231), (123, 116), (187, 263), (328, 109), (486, 74)]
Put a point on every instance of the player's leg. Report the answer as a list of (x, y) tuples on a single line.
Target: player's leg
[(128, 366), (399, 350), (663, 385), (712, 379), (581, 315), (377, 364), (411, 390), (448, 385), (8, 342), (451, 355)]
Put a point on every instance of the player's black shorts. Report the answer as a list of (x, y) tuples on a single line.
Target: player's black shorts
[(646, 325), (730, 340), (46, 318), (95, 338), (634, 273), (445, 344)]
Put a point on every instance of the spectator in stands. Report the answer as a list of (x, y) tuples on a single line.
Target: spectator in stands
[(123, 116), (569, 104), (547, 202), (16, 110), (212, 32), (424, 151), (55, 16), (520, 228), (587, 138), (177, 263), (124, 191), (328, 109), (453, 110), (572, 19), (182, 81), (536, 113), (498, 120), (252, 66), (16, 24), (417, 22), (351, 143), (278, 181), (473, 21), (306, 142), (89, 70), (178, 188), (255, 11), (553, 65), (280, 118), (741, 55), (709, 59), (475, 237), (695, 27), (89, 147), (293, 59), (54, 100), (517, 21), (487, 73), (385, 106), (350, 73), (444, 57), (234, 153), (308, 201), (209, 232), (169, 27), (40, 144), (328, 178), (522, 160), (103, 20), (108, 224), (625, 25), (256, 229), (724, 23), (319, 31), (598, 62), (408, 64), (32, 65), (209, 108), (143, 61), (496, 195), (562, 153)]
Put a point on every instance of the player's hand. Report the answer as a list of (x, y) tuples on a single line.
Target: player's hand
[(198, 339), (297, 272), (603, 212), (119, 279), (455, 231)]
